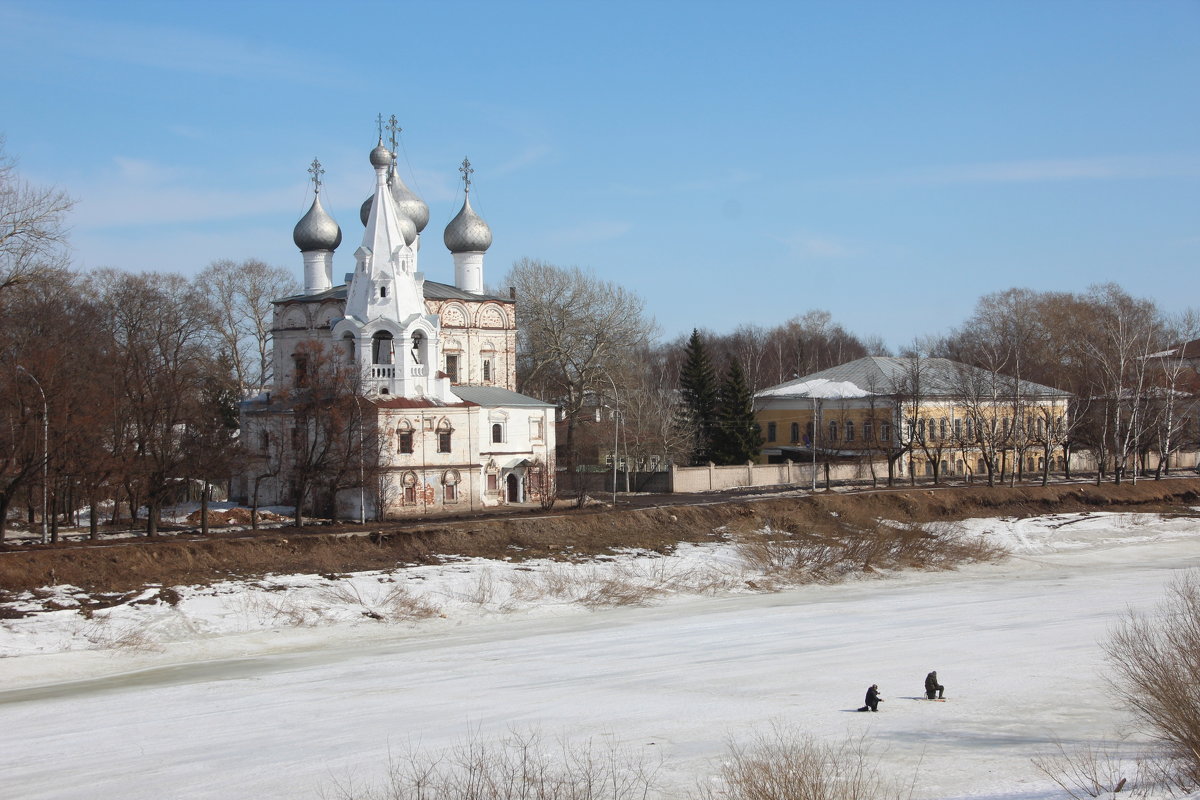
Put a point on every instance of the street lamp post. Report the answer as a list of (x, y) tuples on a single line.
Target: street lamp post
[(815, 431), (362, 483), (616, 433), (45, 449)]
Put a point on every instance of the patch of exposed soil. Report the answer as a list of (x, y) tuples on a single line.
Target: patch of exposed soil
[(130, 565)]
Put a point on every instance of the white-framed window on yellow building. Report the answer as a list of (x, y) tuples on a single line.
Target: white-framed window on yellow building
[(849, 430)]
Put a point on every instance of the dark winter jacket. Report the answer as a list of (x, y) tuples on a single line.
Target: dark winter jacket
[(873, 697), (931, 683)]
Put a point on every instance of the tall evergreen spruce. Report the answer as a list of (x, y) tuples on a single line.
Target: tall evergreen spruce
[(738, 438), (698, 399)]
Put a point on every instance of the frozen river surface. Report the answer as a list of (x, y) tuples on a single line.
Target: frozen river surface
[(221, 708)]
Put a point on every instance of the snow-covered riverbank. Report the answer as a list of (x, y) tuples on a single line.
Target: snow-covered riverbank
[(278, 688)]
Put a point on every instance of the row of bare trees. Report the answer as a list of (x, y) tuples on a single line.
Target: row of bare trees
[(587, 345), (117, 388), (1133, 384)]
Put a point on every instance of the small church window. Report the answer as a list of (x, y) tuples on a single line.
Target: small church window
[(383, 291), (497, 433), (487, 370), (300, 374), (404, 441)]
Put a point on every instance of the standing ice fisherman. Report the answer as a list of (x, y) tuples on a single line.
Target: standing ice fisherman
[(933, 689), (873, 699)]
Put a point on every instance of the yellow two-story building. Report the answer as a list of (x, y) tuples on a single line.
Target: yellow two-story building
[(916, 416)]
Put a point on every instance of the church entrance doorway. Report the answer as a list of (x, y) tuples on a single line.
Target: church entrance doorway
[(514, 488)]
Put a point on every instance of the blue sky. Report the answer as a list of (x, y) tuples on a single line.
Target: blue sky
[(733, 163)]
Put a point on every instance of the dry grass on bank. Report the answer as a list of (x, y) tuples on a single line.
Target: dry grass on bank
[(111, 567), (794, 549), (779, 763)]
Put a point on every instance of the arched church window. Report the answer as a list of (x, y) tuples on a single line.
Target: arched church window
[(348, 345), (404, 438), (450, 480), (300, 372), (383, 291), (409, 482), (833, 431), (444, 432), (382, 349), (497, 433)]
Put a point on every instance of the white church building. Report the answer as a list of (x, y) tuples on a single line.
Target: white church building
[(433, 368)]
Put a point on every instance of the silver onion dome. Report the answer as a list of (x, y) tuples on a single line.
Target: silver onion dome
[(467, 232), (316, 230), (381, 156), (408, 203), (408, 229)]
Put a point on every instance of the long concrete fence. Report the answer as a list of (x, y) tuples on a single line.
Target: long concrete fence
[(711, 478)]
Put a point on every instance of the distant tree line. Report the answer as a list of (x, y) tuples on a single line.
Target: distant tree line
[(690, 400)]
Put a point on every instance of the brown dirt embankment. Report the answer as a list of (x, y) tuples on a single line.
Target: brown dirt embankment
[(123, 567)]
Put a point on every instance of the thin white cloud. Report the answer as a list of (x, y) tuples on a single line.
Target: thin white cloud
[(1067, 169), (532, 154), (159, 46), (808, 246), (708, 182), (590, 232), (138, 192)]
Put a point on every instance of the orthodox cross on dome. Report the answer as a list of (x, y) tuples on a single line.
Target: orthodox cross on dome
[(466, 171), (394, 126), (315, 170), (379, 125)]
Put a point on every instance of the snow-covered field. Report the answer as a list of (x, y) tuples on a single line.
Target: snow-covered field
[(284, 687)]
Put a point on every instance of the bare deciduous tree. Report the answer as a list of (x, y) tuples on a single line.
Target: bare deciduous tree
[(576, 332), (161, 330), (32, 226), (242, 293), (1156, 672)]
